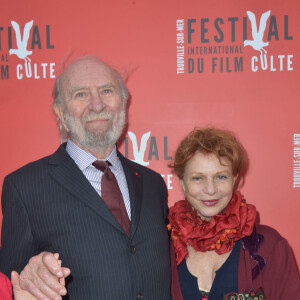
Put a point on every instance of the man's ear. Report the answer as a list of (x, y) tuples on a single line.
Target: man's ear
[(60, 115)]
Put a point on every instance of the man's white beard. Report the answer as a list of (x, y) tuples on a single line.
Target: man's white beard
[(91, 139)]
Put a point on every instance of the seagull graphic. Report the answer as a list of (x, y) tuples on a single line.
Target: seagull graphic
[(139, 155), (22, 51), (257, 43)]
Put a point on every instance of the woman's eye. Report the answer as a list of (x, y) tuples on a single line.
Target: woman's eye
[(197, 178), (221, 177)]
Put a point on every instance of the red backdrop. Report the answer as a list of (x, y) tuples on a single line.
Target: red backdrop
[(187, 66)]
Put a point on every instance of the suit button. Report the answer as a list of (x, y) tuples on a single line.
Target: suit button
[(132, 249), (139, 296)]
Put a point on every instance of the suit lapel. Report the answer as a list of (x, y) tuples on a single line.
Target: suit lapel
[(135, 187), (67, 174)]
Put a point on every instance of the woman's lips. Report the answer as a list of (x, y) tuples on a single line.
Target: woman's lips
[(212, 202)]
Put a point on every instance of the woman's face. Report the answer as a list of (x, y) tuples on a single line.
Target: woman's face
[(207, 184)]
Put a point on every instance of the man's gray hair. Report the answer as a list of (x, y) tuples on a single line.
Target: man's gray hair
[(57, 97)]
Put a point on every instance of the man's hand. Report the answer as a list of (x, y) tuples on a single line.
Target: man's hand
[(44, 278)]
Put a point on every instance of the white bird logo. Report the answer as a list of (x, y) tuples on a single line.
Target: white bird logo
[(22, 51), (257, 43), (139, 155)]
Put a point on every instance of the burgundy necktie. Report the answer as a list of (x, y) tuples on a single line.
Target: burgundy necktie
[(111, 194)]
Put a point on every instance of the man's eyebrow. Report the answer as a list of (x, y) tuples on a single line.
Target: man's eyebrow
[(77, 88), (108, 85)]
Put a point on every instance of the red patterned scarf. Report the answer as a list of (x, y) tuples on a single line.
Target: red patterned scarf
[(219, 234)]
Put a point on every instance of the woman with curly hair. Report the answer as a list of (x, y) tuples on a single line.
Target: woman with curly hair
[(220, 252)]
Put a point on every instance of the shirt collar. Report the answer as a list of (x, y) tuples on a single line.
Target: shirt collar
[(84, 159)]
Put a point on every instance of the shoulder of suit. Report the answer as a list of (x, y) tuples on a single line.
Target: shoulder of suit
[(136, 166), (37, 165)]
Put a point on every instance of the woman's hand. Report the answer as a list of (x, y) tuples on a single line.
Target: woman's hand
[(19, 294)]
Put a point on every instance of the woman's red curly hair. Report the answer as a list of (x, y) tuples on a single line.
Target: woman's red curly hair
[(216, 141)]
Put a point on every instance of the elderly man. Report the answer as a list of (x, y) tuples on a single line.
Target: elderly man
[(102, 213)]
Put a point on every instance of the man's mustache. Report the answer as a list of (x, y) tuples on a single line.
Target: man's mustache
[(107, 115)]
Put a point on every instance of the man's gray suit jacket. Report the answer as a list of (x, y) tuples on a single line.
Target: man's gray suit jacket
[(49, 205)]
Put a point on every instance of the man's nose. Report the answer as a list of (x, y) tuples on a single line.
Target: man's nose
[(96, 102)]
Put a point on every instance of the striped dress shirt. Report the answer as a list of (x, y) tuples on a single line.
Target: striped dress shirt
[(84, 162)]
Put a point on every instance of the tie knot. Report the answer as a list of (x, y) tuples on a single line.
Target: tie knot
[(101, 165)]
